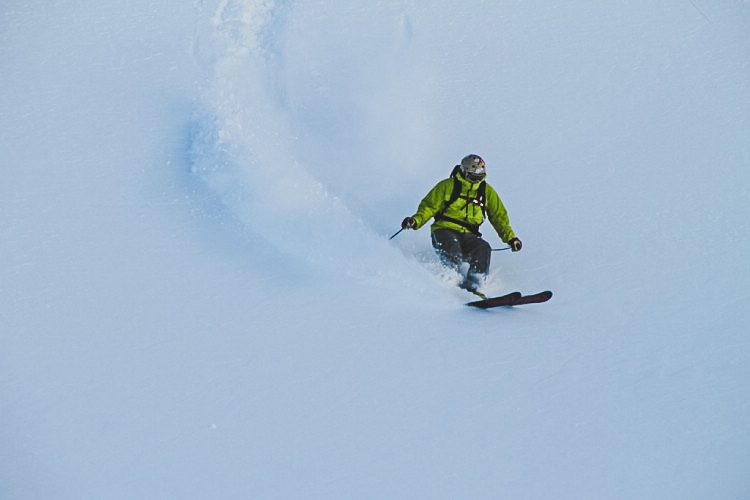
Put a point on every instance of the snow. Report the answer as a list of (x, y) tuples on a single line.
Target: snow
[(199, 298)]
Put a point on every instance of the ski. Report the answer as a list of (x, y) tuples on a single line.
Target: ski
[(536, 298), (511, 299), (505, 300)]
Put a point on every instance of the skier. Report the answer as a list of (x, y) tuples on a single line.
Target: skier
[(459, 205)]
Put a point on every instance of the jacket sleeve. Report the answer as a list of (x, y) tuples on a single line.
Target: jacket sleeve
[(433, 202), (497, 215)]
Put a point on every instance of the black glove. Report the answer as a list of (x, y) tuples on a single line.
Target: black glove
[(515, 245), (409, 223)]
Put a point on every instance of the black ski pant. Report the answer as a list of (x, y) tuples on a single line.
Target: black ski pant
[(454, 248)]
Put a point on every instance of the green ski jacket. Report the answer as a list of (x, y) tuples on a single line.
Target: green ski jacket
[(465, 208)]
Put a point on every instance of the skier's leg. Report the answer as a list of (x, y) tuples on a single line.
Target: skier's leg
[(447, 244), (478, 253)]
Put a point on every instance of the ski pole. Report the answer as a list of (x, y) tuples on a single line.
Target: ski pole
[(495, 249), (396, 234)]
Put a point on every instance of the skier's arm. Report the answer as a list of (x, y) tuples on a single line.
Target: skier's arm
[(498, 216), (432, 202)]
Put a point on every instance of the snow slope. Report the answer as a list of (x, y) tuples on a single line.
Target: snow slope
[(199, 299)]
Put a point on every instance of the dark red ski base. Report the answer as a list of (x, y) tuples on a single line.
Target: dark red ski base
[(512, 299)]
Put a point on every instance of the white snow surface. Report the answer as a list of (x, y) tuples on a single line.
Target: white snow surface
[(199, 300)]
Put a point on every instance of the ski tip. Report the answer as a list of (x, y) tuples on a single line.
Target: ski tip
[(536, 298)]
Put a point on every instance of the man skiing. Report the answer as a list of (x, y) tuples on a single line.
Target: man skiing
[(459, 205)]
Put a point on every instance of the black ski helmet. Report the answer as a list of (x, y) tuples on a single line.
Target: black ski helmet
[(472, 168)]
